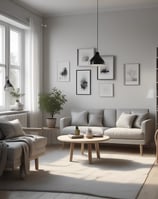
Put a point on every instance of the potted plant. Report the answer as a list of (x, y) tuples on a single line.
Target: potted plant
[(52, 103), (15, 93)]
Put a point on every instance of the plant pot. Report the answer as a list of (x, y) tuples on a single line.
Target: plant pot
[(51, 122)]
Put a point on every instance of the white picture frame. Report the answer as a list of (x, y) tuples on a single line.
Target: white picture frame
[(131, 74), (106, 90), (84, 55), (106, 71), (63, 71)]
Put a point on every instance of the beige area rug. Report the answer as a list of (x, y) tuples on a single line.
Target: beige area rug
[(116, 175)]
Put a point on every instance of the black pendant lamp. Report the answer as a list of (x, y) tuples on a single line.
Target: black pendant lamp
[(97, 59), (8, 85)]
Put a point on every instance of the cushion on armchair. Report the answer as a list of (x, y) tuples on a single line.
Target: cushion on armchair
[(11, 129)]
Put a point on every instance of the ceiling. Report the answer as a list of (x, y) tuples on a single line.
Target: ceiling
[(69, 7)]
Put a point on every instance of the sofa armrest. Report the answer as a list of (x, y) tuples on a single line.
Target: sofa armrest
[(147, 127), (65, 121)]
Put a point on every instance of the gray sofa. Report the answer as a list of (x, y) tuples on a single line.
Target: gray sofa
[(123, 126), (17, 145)]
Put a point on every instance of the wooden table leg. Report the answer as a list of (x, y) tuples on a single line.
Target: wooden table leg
[(90, 153), (97, 150), (82, 148), (71, 151)]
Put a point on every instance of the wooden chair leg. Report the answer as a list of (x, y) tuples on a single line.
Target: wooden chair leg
[(156, 144), (141, 149), (157, 154), (36, 164)]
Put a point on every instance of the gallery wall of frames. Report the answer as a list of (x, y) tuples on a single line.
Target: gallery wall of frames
[(105, 72)]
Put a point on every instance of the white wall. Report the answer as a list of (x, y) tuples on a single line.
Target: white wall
[(131, 36), (15, 11)]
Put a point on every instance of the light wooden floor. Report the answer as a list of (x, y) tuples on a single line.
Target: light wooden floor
[(149, 191)]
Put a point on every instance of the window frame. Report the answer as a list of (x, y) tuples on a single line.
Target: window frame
[(8, 66)]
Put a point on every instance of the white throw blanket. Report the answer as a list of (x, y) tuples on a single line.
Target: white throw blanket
[(27, 141)]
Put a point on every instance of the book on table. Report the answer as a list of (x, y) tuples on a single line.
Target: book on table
[(76, 136)]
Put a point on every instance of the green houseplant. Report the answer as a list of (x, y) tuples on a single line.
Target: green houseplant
[(52, 103), (16, 94)]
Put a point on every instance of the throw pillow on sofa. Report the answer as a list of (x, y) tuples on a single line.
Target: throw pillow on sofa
[(95, 119), (11, 129), (79, 118), (125, 120), (140, 117)]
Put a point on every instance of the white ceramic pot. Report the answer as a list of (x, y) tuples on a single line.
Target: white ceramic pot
[(51, 122), (17, 106)]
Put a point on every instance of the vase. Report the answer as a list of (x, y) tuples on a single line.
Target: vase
[(18, 106)]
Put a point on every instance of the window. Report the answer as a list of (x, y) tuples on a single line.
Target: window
[(2, 65), (11, 61)]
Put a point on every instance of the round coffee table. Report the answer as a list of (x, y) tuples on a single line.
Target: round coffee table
[(82, 141)]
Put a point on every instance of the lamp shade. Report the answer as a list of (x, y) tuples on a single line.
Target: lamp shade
[(96, 59), (8, 85)]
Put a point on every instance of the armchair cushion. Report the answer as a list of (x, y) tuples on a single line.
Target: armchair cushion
[(11, 129)]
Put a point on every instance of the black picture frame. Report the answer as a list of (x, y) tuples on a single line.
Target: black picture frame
[(83, 82)]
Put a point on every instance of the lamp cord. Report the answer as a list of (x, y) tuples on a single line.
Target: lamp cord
[(97, 25)]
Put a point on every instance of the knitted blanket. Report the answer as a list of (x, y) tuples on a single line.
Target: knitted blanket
[(27, 141)]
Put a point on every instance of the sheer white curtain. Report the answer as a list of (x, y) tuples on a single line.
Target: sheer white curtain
[(33, 70)]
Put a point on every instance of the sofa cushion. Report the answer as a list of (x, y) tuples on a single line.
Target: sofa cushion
[(79, 118), (95, 119), (140, 117), (11, 129), (124, 133), (122, 110), (109, 117), (125, 120)]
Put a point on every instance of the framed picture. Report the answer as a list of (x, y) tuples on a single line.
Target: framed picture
[(106, 90), (83, 82), (84, 55), (63, 71), (106, 71), (132, 74)]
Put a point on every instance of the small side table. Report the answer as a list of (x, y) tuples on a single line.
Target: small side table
[(156, 143), (51, 134)]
